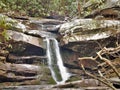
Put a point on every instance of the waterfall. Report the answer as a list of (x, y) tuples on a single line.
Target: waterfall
[(58, 71)]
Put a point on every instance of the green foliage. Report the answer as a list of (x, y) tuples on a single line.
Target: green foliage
[(38, 7), (2, 5), (24, 7), (3, 22), (3, 26), (4, 34), (45, 7)]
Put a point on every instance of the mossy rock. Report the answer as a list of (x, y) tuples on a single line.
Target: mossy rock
[(74, 78), (45, 77)]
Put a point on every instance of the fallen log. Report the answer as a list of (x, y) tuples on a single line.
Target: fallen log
[(19, 69), (25, 59), (11, 78), (79, 83)]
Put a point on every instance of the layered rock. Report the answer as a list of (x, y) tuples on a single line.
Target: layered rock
[(88, 29), (84, 38), (87, 33), (78, 38)]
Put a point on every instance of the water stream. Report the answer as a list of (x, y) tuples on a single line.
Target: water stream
[(58, 70)]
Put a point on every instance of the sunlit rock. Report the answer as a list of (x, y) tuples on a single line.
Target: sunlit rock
[(17, 36), (88, 29), (50, 25), (42, 34)]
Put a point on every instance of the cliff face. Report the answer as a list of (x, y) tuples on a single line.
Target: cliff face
[(77, 39)]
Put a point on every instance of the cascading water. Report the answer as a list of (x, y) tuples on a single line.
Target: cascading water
[(58, 71)]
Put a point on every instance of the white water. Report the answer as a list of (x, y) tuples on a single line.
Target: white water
[(50, 60), (62, 70)]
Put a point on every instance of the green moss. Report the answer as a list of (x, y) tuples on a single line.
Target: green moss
[(51, 81), (57, 73), (74, 78), (45, 76)]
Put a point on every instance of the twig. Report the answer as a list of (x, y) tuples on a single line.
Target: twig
[(93, 76), (91, 58), (108, 62), (101, 75)]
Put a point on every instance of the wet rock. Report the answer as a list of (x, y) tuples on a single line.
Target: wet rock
[(50, 25), (42, 34), (17, 36)]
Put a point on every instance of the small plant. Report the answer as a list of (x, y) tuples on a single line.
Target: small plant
[(3, 27)]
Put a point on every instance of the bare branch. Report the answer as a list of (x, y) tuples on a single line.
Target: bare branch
[(108, 62), (99, 79)]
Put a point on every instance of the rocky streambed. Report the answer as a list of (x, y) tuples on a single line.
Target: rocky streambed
[(24, 61)]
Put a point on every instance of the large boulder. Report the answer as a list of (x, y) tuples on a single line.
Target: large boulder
[(18, 36), (88, 29), (84, 38), (25, 48)]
